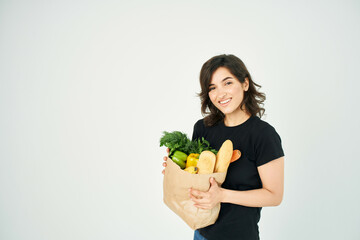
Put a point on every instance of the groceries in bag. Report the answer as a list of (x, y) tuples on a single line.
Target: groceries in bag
[(197, 157)]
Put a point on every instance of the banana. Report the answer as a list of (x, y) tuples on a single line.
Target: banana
[(191, 169)]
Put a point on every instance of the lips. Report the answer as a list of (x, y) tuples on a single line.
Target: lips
[(225, 102)]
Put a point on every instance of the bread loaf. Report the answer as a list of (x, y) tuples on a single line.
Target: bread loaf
[(206, 162), (223, 157)]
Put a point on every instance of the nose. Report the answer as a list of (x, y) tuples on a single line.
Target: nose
[(222, 95)]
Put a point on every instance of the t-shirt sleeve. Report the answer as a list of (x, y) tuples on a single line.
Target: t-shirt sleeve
[(268, 146)]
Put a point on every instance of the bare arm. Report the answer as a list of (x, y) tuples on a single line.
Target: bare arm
[(271, 194)]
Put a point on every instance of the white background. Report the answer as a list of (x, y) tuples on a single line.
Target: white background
[(87, 87)]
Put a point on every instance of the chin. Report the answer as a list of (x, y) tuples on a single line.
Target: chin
[(226, 112)]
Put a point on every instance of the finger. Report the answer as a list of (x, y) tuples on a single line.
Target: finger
[(199, 201), (164, 164), (196, 193), (165, 158), (213, 183), (201, 206), (168, 150), (163, 172)]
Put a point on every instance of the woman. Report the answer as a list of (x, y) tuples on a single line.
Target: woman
[(232, 104)]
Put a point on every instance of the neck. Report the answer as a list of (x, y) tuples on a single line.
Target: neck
[(236, 118)]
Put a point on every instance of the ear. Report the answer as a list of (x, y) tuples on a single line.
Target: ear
[(246, 84)]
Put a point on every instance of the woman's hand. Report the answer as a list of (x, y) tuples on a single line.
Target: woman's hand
[(165, 159), (209, 199)]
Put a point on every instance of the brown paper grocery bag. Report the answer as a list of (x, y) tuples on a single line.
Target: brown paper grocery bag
[(176, 195)]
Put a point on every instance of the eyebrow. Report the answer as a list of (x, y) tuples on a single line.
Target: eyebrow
[(221, 80)]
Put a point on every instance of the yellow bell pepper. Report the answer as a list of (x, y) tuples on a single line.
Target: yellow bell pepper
[(192, 159)]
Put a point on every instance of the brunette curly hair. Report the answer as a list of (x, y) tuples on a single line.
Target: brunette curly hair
[(253, 99)]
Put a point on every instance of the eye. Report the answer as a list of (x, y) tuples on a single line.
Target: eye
[(212, 88), (228, 83)]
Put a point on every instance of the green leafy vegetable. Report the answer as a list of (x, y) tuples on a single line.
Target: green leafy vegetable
[(178, 141)]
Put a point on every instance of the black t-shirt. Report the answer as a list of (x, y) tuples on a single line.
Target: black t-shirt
[(258, 143)]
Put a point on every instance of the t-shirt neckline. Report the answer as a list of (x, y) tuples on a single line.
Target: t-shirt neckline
[(237, 126)]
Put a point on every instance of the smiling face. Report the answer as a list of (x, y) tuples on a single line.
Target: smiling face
[(226, 92)]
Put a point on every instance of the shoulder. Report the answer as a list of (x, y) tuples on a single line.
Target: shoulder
[(200, 125), (262, 128), (199, 129), (200, 122), (260, 124)]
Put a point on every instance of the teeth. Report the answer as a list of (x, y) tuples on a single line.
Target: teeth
[(225, 101)]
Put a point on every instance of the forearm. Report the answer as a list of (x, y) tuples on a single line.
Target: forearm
[(251, 198)]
